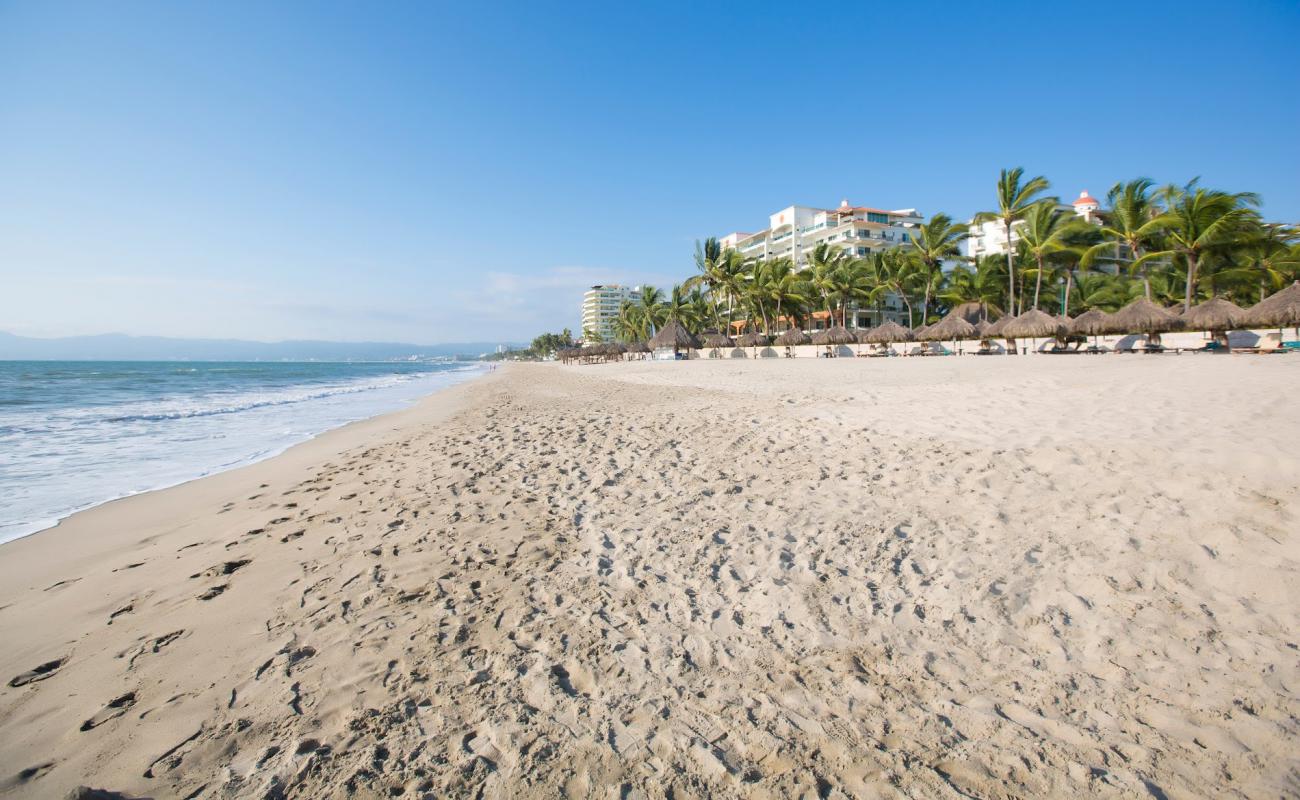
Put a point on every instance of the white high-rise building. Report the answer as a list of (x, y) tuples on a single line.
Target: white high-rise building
[(794, 231), (600, 306)]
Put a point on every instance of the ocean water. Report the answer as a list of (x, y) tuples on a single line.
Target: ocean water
[(74, 434)]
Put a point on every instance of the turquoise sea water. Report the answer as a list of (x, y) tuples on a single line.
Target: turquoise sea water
[(74, 434)]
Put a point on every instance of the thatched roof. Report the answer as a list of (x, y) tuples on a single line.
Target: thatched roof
[(638, 347), (999, 328), (793, 338), (982, 329), (675, 336), (1033, 324), (1215, 314), (889, 332), (717, 340), (1091, 322), (1143, 316), (953, 326), (973, 312), (752, 340), (615, 349), (1278, 309), (840, 335)]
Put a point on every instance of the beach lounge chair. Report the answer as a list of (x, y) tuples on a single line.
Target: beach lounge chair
[(1270, 344)]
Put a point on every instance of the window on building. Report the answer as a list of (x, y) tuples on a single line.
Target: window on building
[(862, 251), (874, 217)]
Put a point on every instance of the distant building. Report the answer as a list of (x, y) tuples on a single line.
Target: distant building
[(600, 306)]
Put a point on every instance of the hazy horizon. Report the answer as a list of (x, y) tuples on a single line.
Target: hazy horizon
[(412, 173)]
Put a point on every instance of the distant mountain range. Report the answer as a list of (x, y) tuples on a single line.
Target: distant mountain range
[(120, 347)]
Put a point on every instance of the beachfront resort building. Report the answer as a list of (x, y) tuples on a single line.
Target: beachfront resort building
[(794, 231), (600, 306), (990, 238)]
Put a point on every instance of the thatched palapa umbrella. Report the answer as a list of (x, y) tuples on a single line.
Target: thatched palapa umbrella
[(1278, 310), (717, 341), (1216, 315), (640, 348), (833, 337), (792, 339), (888, 333), (1144, 316), (1033, 324), (754, 340), (675, 336), (954, 326), (973, 312), (1091, 323)]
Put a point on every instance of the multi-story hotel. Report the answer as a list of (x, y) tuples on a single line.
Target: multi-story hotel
[(794, 231), (600, 306), (990, 238)]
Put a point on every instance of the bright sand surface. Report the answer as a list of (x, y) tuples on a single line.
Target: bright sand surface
[(1029, 576)]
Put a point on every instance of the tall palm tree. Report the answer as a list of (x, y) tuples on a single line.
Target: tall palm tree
[(784, 287), (708, 257), (1128, 225), (678, 308), (650, 307), (823, 260), (1014, 200), (1201, 221), (627, 325), (896, 274), (933, 243), (848, 282), (1042, 236)]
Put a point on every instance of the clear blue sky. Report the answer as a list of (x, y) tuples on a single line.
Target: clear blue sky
[(449, 172)]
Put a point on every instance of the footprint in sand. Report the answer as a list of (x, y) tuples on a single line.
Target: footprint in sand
[(39, 673), (226, 568), (215, 591), (113, 710)]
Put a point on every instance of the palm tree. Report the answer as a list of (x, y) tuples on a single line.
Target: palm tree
[(981, 285), (708, 257), (1042, 236), (730, 276), (933, 243), (896, 273), (627, 325), (650, 307), (1129, 224), (783, 286), (1100, 290), (1014, 201), (1201, 221), (1268, 256), (823, 260), (849, 281), (678, 308)]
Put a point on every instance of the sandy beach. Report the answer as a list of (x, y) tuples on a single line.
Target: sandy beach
[(1002, 577)]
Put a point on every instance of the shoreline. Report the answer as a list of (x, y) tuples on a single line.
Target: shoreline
[(438, 405), (740, 579), (257, 458)]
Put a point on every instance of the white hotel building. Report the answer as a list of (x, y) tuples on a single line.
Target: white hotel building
[(990, 238), (795, 230), (600, 306)]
